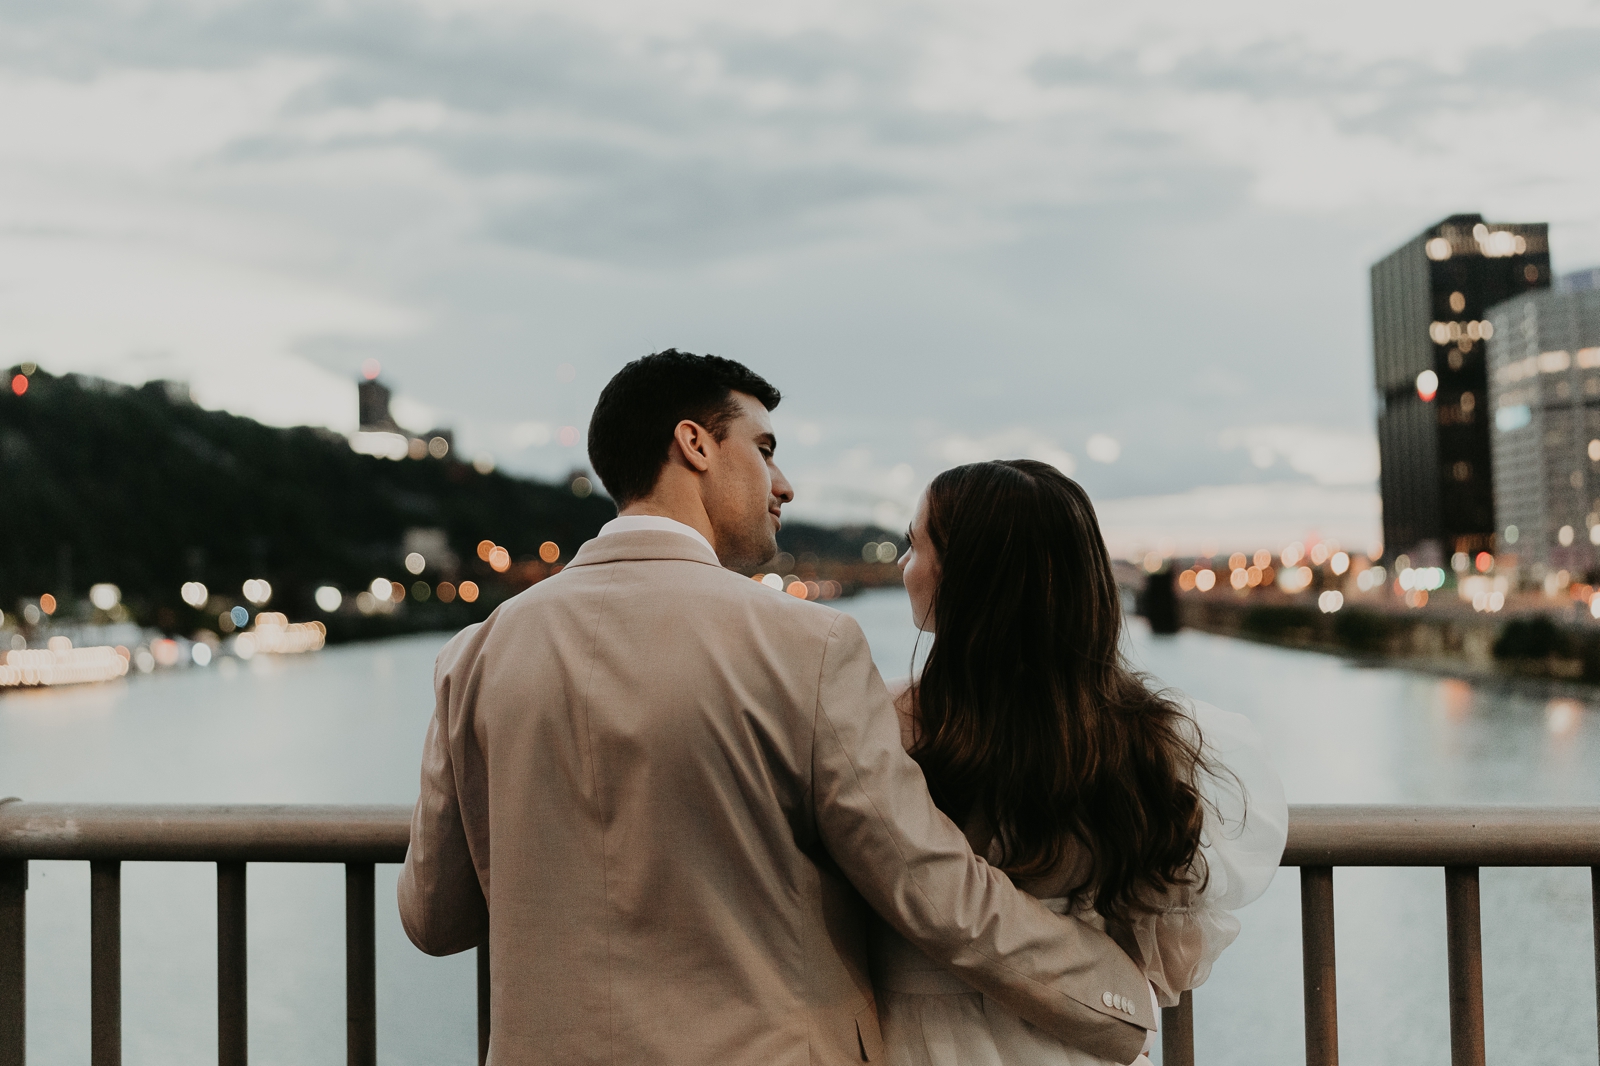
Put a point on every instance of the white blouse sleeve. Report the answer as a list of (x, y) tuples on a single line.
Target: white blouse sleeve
[(1246, 826)]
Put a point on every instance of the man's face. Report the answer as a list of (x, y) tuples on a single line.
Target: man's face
[(744, 490)]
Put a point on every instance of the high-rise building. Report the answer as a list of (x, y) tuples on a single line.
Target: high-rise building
[(1430, 298), (1544, 390)]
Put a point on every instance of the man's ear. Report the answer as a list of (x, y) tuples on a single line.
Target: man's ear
[(693, 442)]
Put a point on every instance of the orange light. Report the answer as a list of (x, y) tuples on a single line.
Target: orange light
[(797, 589), (47, 602), (446, 592), (549, 551), (468, 592), (397, 592), (484, 548), (499, 560), (19, 384), (1484, 562)]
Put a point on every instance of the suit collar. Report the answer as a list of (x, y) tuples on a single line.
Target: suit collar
[(643, 544)]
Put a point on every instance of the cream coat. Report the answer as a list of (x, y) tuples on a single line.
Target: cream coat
[(679, 791)]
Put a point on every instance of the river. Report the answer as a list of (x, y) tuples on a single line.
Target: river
[(345, 726)]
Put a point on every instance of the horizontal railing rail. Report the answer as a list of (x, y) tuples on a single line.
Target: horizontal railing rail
[(1459, 839)]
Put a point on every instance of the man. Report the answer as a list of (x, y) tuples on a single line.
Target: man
[(679, 791)]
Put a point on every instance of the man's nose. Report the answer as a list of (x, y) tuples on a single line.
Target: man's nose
[(781, 487)]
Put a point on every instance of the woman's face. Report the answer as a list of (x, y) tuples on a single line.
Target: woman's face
[(919, 566)]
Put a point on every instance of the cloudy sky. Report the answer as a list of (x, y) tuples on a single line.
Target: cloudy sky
[(1130, 239)]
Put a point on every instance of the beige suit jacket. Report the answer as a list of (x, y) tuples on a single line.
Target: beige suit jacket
[(678, 791)]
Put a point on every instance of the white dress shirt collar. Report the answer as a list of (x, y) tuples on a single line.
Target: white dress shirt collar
[(634, 522)]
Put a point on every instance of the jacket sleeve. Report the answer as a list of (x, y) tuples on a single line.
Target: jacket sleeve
[(916, 869), (441, 894)]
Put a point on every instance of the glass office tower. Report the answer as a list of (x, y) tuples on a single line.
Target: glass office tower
[(1544, 391), (1430, 303)]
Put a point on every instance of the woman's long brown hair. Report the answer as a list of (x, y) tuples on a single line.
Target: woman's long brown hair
[(1027, 712)]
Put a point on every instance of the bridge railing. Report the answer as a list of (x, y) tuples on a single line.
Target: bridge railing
[(1458, 839)]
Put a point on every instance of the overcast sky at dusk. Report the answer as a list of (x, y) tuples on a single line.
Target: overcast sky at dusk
[(946, 231)]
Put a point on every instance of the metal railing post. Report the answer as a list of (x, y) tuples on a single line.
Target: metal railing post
[(233, 1029), (105, 963), (360, 966), (13, 962), (1594, 891), (1464, 932), (483, 1003), (1177, 1032), (1316, 945)]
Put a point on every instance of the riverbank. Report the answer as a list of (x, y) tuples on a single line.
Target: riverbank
[(1548, 652)]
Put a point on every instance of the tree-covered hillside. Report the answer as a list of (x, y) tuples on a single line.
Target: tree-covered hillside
[(141, 488)]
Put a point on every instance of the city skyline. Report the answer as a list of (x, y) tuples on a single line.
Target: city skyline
[(1138, 239)]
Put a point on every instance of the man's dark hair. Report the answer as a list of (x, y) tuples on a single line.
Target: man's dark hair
[(632, 426)]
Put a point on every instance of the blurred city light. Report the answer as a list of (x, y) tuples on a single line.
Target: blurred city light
[(499, 560), (257, 591), (549, 551), (239, 616), (1204, 580), (19, 384), (468, 591), (1427, 385), (105, 596), (328, 598), (1330, 601), (415, 563), (195, 595), (381, 589), (581, 486), (438, 447), (61, 664), (200, 653), (446, 592), (484, 548)]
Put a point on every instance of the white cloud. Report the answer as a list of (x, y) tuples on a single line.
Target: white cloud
[(1328, 456), (1016, 443), (1240, 518)]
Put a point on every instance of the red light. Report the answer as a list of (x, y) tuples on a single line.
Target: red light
[(1484, 561), (1427, 385), (19, 384)]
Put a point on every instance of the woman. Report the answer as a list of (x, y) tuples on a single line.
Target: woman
[(1147, 817)]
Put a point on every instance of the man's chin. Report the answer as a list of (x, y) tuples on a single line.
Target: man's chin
[(747, 558)]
